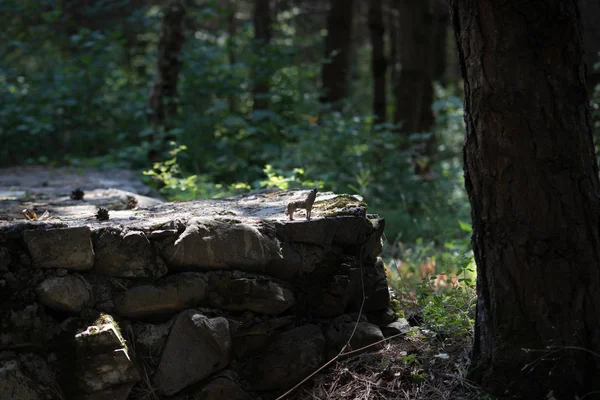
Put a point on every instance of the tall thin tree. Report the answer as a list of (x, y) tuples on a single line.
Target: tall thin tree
[(164, 97), (337, 49), (590, 15), (532, 179), (378, 60), (414, 86), (262, 38)]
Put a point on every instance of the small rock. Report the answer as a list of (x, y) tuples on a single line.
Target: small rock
[(67, 293), (102, 364), (196, 348), (151, 338), (69, 248), (401, 325)]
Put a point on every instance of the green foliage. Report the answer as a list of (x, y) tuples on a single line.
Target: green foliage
[(282, 180), (63, 88), (450, 314), (443, 279), (74, 89), (174, 184)]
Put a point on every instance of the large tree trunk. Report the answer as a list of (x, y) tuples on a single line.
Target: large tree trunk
[(378, 61), (532, 180), (164, 98), (337, 47), (262, 37)]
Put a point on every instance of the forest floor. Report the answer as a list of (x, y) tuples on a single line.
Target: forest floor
[(413, 367)]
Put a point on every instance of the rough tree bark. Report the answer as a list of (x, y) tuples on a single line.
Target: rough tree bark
[(262, 37), (378, 61), (163, 99), (338, 43), (532, 180)]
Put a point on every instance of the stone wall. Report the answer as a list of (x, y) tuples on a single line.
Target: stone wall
[(203, 300)]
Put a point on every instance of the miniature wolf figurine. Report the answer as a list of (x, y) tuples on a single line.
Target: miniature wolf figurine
[(305, 204)]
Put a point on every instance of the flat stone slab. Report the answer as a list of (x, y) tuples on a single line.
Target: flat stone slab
[(44, 189)]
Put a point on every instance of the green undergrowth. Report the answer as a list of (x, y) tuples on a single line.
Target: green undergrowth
[(435, 283)]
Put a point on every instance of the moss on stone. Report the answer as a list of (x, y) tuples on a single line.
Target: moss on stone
[(397, 308), (343, 204)]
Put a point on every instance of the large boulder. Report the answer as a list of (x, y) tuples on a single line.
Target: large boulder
[(235, 291), (166, 297), (103, 365), (288, 359), (64, 293), (126, 254), (196, 348), (208, 244), (69, 248)]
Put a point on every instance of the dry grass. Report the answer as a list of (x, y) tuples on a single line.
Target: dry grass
[(409, 368)]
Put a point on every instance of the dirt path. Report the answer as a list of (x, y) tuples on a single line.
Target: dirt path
[(49, 189)]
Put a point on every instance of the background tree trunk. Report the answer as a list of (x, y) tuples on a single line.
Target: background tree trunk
[(163, 99), (378, 61), (590, 15), (532, 180), (231, 32), (440, 40), (337, 47), (262, 38), (414, 86)]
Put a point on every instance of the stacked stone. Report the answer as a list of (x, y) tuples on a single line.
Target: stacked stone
[(210, 299)]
